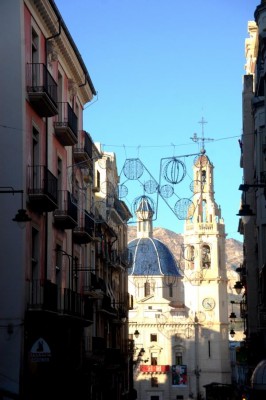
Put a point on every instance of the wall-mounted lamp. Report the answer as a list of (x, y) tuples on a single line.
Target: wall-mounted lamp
[(232, 315), (232, 333), (245, 211), (21, 217), (238, 286), (136, 333)]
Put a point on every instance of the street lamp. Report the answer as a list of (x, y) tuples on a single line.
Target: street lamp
[(136, 333), (21, 217), (232, 333), (238, 286), (245, 211)]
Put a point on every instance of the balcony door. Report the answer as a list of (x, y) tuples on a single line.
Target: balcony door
[(35, 158)]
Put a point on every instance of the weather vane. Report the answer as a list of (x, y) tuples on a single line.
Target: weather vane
[(201, 139)]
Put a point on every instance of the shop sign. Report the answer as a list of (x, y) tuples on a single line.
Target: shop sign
[(40, 351)]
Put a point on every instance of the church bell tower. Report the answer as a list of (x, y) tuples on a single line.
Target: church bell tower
[(205, 278)]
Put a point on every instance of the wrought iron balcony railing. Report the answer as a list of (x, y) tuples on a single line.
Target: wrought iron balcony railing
[(42, 89), (65, 216), (42, 188), (66, 125), (82, 151), (84, 232)]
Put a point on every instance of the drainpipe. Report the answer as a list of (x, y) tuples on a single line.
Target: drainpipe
[(46, 155)]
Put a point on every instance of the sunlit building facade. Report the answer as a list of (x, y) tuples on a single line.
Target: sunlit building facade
[(179, 320)]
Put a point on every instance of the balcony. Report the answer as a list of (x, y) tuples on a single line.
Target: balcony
[(106, 307), (96, 288), (73, 304), (66, 125), (65, 216), (47, 296), (84, 232), (82, 151), (42, 295), (113, 357), (42, 90), (42, 189)]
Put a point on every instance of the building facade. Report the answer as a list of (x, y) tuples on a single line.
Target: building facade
[(252, 212), (63, 276), (179, 320)]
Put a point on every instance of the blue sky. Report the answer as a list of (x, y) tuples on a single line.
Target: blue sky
[(158, 67)]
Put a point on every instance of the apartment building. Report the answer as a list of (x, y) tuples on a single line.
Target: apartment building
[(252, 212), (63, 286)]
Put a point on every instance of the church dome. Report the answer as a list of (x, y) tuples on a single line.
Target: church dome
[(258, 379), (150, 256)]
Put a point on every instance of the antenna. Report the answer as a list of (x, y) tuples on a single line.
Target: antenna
[(201, 139)]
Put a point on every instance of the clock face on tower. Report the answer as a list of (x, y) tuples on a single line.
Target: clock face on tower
[(208, 303)]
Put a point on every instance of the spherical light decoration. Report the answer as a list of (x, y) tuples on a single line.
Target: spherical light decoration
[(133, 168), (122, 191), (150, 186), (167, 191), (184, 209), (174, 171), (143, 207), (108, 188)]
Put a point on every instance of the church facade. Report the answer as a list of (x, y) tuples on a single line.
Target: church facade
[(179, 320)]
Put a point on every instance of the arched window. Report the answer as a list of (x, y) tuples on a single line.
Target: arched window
[(190, 256), (204, 211), (206, 256)]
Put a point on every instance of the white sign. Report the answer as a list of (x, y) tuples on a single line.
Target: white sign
[(40, 351)]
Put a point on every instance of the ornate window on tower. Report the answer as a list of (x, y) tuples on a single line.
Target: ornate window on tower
[(206, 256), (203, 175), (189, 256), (204, 211), (147, 288)]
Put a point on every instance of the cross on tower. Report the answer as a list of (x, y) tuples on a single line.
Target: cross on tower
[(201, 139)]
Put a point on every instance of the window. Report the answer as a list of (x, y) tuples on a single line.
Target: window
[(190, 256), (147, 289), (59, 181), (206, 256), (154, 381), (154, 359), (58, 264), (203, 174), (170, 290), (34, 46), (178, 358), (153, 337), (75, 274), (35, 157), (204, 211), (35, 245)]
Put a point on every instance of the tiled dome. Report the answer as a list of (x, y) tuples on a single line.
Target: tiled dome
[(151, 257)]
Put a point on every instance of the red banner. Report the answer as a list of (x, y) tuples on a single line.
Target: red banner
[(154, 368)]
